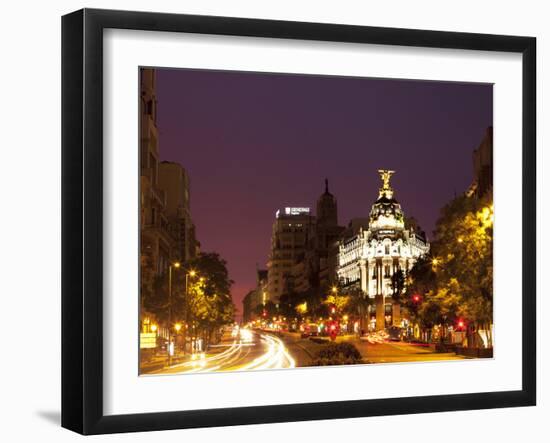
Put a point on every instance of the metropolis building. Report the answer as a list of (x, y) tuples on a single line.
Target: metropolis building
[(369, 254)]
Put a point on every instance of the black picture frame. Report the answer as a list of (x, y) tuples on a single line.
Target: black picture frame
[(82, 218)]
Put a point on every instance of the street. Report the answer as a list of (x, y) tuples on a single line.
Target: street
[(258, 350), (250, 351)]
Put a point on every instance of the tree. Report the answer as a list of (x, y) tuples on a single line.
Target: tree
[(358, 305), (287, 304), (398, 280), (208, 304), (456, 281), (465, 258), (340, 302)]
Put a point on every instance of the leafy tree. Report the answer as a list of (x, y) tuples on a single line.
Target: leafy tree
[(287, 304), (456, 281), (358, 304), (398, 280), (340, 302), (207, 298)]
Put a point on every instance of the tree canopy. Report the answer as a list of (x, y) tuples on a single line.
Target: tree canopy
[(456, 280)]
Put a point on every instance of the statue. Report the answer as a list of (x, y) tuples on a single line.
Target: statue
[(385, 175)]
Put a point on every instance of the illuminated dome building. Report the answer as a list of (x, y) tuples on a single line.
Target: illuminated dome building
[(372, 251)]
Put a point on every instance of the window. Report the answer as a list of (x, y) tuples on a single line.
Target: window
[(387, 250), (386, 271)]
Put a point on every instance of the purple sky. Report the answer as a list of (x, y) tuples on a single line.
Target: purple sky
[(253, 143)]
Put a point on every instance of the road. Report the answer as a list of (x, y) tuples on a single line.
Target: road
[(395, 352), (383, 352), (250, 351), (257, 350)]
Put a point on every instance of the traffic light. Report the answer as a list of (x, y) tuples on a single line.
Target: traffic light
[(416, 298)]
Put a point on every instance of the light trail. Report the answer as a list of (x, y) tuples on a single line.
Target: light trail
[(238, 354), (275, 357)]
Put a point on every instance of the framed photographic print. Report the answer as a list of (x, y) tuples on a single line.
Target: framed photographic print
[(269, 221)]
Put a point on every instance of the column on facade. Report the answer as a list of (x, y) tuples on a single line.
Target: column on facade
[(380, 309), (364, 275)]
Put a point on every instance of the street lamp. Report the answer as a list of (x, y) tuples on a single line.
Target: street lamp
[(191, 273), (175, 265), (177, 327)]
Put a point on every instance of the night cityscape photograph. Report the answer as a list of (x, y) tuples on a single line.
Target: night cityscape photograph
[(292, 220)]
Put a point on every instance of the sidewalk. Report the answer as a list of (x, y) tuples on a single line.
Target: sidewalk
[(160, 361), (385, 352)]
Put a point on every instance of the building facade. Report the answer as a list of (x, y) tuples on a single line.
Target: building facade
[(156, 243), (167, 234), (323, 250), (304, 248), (482, 160), (174, 182), (289, 238), (370, 254), (256, 297)]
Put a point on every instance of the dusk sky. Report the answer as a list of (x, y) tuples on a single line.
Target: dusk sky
[(253, 143)]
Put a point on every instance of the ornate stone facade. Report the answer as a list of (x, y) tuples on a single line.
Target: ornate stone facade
[(368, 256)]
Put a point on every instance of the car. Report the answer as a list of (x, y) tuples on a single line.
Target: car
[(395, 333)]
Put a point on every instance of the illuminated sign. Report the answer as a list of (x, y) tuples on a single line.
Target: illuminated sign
[(296, 211), (293, 211), (148, 340)]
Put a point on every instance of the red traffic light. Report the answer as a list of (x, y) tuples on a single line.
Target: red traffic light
[(416, 298)]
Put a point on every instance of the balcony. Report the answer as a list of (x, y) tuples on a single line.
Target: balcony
[(158, 195)]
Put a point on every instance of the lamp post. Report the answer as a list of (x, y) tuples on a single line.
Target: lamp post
[(191, 273), (170, 349), (177, 327)]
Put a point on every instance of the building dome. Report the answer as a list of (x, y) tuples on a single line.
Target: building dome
[(386, 213)]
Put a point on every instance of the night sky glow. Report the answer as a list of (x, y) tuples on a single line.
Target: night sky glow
[(253, 143)]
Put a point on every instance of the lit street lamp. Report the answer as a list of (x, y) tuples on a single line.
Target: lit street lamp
[(191, 273), (170, 346)]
